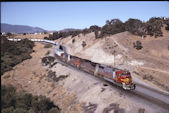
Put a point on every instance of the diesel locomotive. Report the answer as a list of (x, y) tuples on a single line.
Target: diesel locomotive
[(116, 76)]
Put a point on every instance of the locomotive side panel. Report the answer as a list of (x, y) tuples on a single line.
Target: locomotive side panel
[(114, 75), (86, 66)]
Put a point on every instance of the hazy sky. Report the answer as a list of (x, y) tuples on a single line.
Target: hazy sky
[(60, 15)]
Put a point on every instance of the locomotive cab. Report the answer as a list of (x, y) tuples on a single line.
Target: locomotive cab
[(125, 78)]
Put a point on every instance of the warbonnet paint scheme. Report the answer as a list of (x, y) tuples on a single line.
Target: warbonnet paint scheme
[(116, 76)]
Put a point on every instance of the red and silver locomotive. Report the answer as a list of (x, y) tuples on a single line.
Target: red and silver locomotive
[(116, 76)]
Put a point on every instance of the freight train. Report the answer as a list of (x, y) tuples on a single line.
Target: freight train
[(116, 76)]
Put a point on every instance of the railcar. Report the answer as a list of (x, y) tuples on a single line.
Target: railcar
[(116, 76)]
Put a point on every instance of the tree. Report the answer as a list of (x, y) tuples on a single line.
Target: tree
[(45, 32), (115, 21), (21, 102), (112, 27), (96, 34), (73, 40), (9, 34), (137, 45), (153, 26), (94, 28), (46, 38), (167, 27), (83, 44), (107, 22), (85, 31), (135, 26)]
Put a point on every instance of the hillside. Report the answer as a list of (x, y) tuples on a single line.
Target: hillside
[(67, 94), (19, 28), (149, 64)]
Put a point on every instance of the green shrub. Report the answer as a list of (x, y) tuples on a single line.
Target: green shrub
[(53, 76), (167, 27), (137, 45), (96, 34), (83, 44), (47, 60), (73, 40), (46, 38), (20, 102), (13, 53), (112, 27)]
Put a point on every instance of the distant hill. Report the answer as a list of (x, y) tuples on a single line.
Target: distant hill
[(19, 28), (68, 29)]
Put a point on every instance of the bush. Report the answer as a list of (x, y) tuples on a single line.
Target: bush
[(47, 60), (135, 26), (9, 34), (47, 46), (20, 102), (13, 53), (83, 44), (167, 27), (153, 26), (73, 40), (94, 28), (96, 34), (137, 45), (45, 32), (112, 27), (46, 38), (85, 31), (53, 76)]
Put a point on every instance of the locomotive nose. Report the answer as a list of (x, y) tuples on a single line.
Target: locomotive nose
[(126, 80)]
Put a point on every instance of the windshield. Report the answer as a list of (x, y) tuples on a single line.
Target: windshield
[(126, 74)]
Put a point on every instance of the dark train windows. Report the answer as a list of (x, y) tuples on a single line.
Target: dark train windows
[(93, 64), (101, 67), (60, 47)]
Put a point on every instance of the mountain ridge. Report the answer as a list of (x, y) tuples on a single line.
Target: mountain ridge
[(5, 27)]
